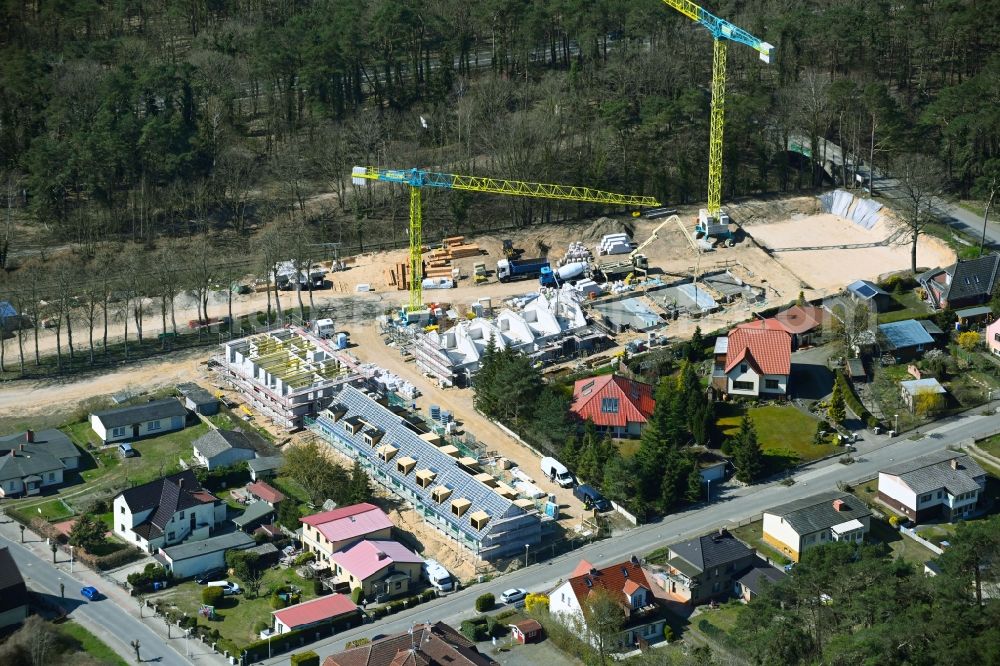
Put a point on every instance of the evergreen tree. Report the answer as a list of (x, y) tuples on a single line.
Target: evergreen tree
[(358, 490), (570, 451), (837, 409), (748, 458), (694, 483)]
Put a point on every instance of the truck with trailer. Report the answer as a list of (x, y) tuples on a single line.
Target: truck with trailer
[(520, 269)]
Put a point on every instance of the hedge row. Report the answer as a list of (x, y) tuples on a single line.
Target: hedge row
[(853, 403)]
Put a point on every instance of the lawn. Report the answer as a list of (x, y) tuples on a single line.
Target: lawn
[(902, 546), (54, 511), (226, 420), (627, 447), (238, 615), (752, 534), (990, 445), (157, 455), (91, 644), (291, 488), (907, 306), (784, 432), (82, 434), (722, 618)]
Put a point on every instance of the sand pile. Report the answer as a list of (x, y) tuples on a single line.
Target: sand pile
[(603, 226)]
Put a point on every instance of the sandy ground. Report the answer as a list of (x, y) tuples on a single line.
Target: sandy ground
[(833, 268)]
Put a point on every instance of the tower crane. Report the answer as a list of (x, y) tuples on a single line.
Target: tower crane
[(417, 179), (711, 222)]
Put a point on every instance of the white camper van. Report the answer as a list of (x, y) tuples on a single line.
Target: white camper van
[(323, 328), (437, 576), (556, 471)]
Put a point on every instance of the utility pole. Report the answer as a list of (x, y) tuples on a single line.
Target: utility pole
[(135, 646)]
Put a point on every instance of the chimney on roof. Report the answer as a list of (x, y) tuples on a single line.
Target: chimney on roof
[(180, 484), (29, 436), (634, 560), (594, 571), (21, 447), (954, 463), (838, 505)]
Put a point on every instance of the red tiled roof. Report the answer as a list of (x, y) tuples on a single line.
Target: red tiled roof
[(265, 492), (440, 645), (583, 567), (337, 514), (768, 324), (770, 350), (800, 318), (615, 579), (635, 400), (317, 610)]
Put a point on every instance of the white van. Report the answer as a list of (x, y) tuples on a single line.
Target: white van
[(437, 576), (556, 471)]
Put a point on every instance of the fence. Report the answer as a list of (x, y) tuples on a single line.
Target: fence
[(632, 518), (922, 541)]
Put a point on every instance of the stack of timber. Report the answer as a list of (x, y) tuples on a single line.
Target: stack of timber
[(398, 276)]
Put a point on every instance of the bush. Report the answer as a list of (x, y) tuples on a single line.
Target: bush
[(212, 596), (356, 595), (277, 603), (305, 558), (668, 633), (396, 606), (894, 521), (491, 625), (260, 626), (474, 630), (427, 595), (309, 658), (143, 580), (485, 602), (357, 642)]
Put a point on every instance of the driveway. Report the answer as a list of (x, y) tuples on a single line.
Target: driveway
[(811, 377)]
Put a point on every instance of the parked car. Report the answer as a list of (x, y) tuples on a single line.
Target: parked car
[(125, 450), (90, 593), (207, 578), (227, 587), (591, 498), (513, 595)]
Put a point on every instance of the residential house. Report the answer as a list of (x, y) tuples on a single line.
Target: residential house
[(912, 389), (753, 361), (993, 337), (616, 405), (626, 583), (803, 322), (262, 491), (813, 521), (964, 283), (331, 531), (449, 490), (380, 568), (436, 645), (265, 467), (329, 610), (31, 461), (706, 567), (907, 339), (870, 294), (753, 582), (256, 514), (193, 558), (166, 512), (222, 448), (145, 420), (13, 592), (945, 484), (198, 400)]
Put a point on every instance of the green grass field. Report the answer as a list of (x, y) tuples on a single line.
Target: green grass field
[(238, 615), (752, 534), (784, 432), (907, 306), (991, 445), (84, 641), (902, 546)]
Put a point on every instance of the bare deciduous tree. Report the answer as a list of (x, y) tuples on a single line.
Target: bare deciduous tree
[(920, 181)]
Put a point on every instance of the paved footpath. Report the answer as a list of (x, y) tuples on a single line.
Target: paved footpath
[(115, 618)]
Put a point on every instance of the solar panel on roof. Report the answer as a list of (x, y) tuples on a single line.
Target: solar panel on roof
[(866, 291)]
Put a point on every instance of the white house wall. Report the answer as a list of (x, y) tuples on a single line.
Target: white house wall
[(777, 529), (735, 375), (562, 601), (894, 487)]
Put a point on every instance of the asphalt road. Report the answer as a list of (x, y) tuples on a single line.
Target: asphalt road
[(732, 506), (112, 623)]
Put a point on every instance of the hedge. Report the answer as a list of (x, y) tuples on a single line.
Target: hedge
[(283, 642), (852, 400), (212, 596), (475, 630), (309, 658), (485, 602)]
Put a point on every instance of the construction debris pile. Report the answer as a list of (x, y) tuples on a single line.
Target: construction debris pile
[(388, 381)]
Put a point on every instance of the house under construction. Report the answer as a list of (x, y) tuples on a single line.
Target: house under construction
[(284, 374)]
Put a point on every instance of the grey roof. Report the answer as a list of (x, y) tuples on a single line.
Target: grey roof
[(13, 592), (256, 511), (54, 442), (977, 311), (189, 549), (915, 386), (264, 549), (150, 411), (866, 290), (24, 464), (265, 463), (754, 580), (906, 333), (930, 327), (933, 472), (196, 394), (214, 442), (972, 278), (402, 435), (812, 514), (711, 550)]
